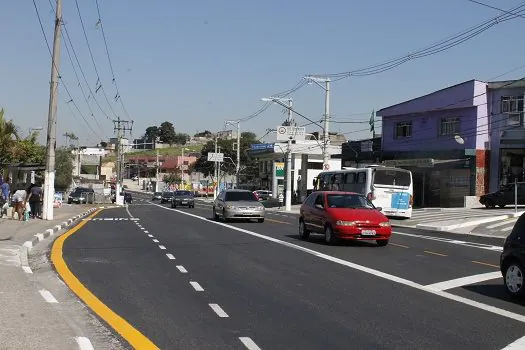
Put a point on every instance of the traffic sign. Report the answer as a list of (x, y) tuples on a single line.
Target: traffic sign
[(285, 133), (215, 157), (326, 166)]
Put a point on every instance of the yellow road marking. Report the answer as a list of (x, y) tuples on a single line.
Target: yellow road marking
[(136, 339), (399, 245), (279, 222), (434, 253), (484, 263)]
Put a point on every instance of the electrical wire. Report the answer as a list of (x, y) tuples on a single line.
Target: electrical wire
[(440, 46), (71, 100), (99, 81), (117, 96), (495, 8)]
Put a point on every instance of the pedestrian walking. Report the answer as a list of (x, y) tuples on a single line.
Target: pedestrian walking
[(5, 191), (18, 202), (35, 198)]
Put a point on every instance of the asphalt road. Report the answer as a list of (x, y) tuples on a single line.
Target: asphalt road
[(187, 282)]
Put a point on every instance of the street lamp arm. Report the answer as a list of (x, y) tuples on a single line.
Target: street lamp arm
[(299, 114)]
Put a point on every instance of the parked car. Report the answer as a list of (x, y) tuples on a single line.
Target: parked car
[(505, 196), (512, 260), (166, 197), (263, 195), (343, 215), (183, 198), (238, 205), (157, 196), (81, 195)]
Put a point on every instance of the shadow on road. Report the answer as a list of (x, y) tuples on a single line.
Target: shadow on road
[(494, 291)]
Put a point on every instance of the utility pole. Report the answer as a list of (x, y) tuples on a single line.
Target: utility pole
[(157, 172), (216, 172), (326, 117), (238, 164), (49, 176), (120, 127), (288, 194)]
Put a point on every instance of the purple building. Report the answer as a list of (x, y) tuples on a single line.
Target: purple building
[(443, 138)]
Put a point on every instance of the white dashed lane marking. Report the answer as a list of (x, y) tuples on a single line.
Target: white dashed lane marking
[(162, 247), (182, 269), (218, 310), (197, 286), (151, 236), (170, 256), (249, 343), (156, 241)]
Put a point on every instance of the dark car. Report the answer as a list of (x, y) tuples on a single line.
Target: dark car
[(183, 198), (505, 196), (512, 260), (81, 195), (166, 196), (343, 215), (157, 196)]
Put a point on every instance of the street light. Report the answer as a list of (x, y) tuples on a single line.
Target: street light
[(288, 194), (326, 136)]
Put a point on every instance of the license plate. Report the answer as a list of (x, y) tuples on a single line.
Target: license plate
[(368, 232), (184, 202)]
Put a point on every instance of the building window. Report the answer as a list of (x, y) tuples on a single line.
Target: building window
[(403, 129), (513, 107), (449, 126)]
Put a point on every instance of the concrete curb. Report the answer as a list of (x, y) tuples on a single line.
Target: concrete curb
[(39, 237)]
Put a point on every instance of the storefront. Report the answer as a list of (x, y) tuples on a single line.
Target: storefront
[(512, 166)]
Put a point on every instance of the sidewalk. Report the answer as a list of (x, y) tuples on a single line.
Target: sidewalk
[(32, 317)]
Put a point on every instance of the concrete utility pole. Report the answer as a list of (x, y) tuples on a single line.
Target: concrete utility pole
[(326, 117), (49, 176), (157, 172), (238, 148), (120, 126), (216, 173)]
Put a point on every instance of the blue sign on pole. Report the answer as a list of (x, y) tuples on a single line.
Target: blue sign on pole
[(261, 146)]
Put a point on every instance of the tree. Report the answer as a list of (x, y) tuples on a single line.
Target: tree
[(205, 133), (172, 178), (8, 139), (181, 138), (206, 168), (152, 132), (167, 133), (64, 168)]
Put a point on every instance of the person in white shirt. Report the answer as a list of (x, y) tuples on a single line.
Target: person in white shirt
[(18, 201)]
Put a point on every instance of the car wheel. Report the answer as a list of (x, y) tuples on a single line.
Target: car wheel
[(303, 231), (329, 235), (215, 216), (514, 279), (490, 204), (382, 242), (260, 221)]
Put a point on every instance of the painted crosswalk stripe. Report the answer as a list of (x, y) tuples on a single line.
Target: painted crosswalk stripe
[(504, 222)]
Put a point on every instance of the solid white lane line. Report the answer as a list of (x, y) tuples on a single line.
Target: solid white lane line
[(47, 296), (218, 310), (197, 286), (27, 269), (162, 247), (84, 343), (182, 269), (377, 273), (463, 281), (517, 345), (156, 241), (170, 256), (150, 236), (249, 343), (504, 222)]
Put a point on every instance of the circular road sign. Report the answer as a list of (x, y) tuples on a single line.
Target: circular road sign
[(326, 166), (281, 130)]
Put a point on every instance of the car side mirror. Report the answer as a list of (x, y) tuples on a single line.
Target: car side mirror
[(379, 209)]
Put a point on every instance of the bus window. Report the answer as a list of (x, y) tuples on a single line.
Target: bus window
[(337, 182), (392, 177), (326, 183), (361, 177), (361, 183), (350, 178)]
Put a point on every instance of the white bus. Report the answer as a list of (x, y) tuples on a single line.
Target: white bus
[(389, 188)]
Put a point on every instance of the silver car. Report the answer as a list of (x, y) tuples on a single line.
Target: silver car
[(237, 205)]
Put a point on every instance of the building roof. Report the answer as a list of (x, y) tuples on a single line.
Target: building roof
[(506, 84)]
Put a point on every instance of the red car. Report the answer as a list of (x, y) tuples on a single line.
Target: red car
[(343, 215)]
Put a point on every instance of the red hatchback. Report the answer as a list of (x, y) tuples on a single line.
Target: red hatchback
[(343, 215)]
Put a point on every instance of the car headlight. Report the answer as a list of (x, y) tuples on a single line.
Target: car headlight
[(345, 223), (259, 208), (230, 207), (384, 224)]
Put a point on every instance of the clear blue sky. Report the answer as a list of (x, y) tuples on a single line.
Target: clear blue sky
[(197, 63)]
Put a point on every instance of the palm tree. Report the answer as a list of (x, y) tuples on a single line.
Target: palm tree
[(8, 139)]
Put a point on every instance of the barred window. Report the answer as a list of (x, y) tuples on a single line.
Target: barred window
[(449, 126), (403, 129), (513, 107)]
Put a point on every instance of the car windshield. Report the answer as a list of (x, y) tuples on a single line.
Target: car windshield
[(183, 193), (350, 201), (240, 196), (168, 194)]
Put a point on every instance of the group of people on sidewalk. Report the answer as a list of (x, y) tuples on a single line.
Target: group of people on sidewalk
[(22, 200)]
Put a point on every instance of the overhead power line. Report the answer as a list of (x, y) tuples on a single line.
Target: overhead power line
[(496, 8)]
